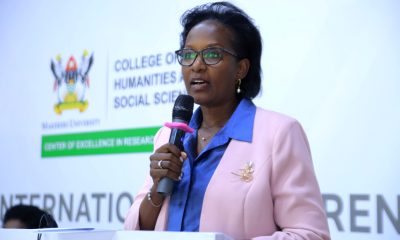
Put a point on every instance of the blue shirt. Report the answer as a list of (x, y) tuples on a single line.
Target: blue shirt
[(187, 198)]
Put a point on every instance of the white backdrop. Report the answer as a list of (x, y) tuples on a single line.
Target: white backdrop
[(333, 65)]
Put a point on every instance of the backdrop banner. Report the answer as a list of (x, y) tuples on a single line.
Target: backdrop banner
[(80, 148)]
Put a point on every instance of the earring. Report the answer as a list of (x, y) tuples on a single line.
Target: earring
[(238, 90)]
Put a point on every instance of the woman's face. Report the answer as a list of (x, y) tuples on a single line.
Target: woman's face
[(211, 85)]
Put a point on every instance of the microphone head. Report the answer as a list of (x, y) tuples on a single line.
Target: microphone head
[(183, 109)]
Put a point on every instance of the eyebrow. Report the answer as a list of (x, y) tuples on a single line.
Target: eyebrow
[(208, 46)]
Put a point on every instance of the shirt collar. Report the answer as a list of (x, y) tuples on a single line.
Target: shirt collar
[(240, 124)]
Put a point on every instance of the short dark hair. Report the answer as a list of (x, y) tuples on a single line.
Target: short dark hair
[(247, 39), (31, 216)]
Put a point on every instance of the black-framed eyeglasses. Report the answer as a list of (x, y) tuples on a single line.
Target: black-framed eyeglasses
[(211, 55)]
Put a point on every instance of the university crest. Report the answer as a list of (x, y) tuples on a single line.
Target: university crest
[(71, 82)]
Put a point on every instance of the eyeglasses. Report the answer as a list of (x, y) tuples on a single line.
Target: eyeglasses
[(211, 56)]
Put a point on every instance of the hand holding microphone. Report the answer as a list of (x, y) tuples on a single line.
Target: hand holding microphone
[(166, 162)]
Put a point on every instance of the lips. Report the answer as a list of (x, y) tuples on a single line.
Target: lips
[(197, 81), (198, 84)]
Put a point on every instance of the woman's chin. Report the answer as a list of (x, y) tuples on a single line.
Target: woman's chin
[(200, 99)]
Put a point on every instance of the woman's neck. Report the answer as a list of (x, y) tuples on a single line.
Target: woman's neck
[(216, 117)]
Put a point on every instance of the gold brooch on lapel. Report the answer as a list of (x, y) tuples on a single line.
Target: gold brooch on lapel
[(246, 173)]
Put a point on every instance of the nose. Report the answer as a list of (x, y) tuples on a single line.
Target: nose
[(199, 64)]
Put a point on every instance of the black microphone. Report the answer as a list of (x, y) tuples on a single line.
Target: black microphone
[(181, 113)]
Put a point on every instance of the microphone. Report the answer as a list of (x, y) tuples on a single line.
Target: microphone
[(181, 115)]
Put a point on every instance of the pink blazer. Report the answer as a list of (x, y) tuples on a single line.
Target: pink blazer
[(280, 200)]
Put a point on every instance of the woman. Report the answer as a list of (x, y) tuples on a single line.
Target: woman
[(245, 171)]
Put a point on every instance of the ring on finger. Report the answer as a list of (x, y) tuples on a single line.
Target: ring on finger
[(160, 164)]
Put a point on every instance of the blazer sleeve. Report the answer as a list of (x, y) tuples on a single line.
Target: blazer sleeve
[(298, 206), (132, 217)]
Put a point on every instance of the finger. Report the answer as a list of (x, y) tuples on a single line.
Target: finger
[(183, 156), (168, 147), (171, 166), (166, 164), (166, 156), (157, 174)]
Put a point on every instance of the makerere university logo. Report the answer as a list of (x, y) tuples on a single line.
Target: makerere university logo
[(71, 82)]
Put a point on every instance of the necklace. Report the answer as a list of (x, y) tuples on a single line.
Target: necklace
[(203, 138), (210, 130)]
